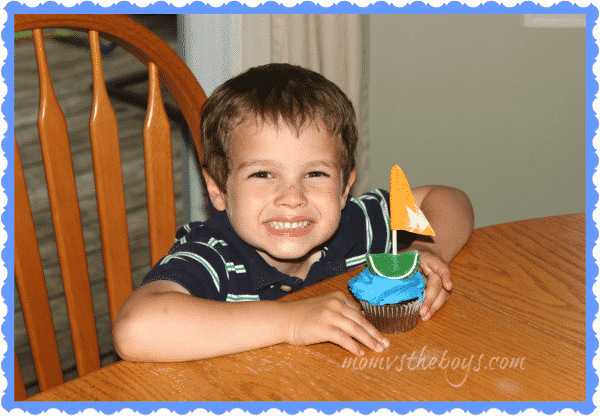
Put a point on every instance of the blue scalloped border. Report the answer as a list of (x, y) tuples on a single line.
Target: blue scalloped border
[(7, 218)]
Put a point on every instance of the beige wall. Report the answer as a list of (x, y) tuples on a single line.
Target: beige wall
[(481, 103)]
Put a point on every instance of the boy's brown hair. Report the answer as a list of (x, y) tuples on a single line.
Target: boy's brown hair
[(275, 93)]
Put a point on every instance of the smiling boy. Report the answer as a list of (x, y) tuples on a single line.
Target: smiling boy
[(284, 193), (278, 161)]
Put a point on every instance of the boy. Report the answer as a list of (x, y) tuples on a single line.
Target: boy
[(278, 160)]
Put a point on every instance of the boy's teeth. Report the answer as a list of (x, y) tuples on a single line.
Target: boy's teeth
[(280, 225)]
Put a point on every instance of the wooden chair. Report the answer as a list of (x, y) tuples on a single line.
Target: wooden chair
[(163, 65)]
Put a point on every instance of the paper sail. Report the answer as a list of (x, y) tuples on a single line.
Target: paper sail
[(404, 212)]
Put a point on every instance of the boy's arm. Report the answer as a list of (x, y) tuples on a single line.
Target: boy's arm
[(161, 321), (450, 213)]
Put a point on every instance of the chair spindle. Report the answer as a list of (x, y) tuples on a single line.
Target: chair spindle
[(106, 157), (62, 193), (159, 171)]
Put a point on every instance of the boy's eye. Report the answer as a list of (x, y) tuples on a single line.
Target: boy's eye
[(261, 174), (316, 174)]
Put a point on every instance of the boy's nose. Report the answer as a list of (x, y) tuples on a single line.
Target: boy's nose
[(292, 196)]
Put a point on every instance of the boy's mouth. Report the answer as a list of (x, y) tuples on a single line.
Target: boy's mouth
[(284, 225), (289, 228)]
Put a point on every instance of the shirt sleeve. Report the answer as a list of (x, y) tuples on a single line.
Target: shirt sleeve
[(193, 264)]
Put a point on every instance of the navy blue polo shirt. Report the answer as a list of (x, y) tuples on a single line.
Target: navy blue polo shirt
[(211, 261)]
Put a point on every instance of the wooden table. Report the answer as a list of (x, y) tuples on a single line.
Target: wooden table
[(513, 330)]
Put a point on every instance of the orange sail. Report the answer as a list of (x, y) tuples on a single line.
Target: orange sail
[(404, 211)]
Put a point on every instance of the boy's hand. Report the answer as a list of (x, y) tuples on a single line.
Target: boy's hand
[(332, 317), (438, 280)]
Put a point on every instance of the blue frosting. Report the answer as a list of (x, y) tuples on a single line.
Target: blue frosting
[(380, 290)]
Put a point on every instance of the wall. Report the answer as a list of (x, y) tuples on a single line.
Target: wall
[(481, 103)]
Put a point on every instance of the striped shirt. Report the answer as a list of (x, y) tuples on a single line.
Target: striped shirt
[(211, 261)]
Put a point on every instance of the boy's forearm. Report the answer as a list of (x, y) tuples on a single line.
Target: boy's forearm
[(450, 213), (178, 327)]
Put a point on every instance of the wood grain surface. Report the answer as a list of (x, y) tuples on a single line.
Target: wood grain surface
[(533, 270), (480, 346)]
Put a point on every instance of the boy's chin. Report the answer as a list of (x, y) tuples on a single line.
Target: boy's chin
[(289, 256)]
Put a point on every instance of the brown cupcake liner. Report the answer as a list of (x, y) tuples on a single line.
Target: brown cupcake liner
[(395, 318)]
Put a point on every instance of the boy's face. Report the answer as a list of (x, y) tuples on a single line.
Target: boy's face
[(284, 192)]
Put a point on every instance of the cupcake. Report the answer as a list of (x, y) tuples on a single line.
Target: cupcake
[(390, 291)]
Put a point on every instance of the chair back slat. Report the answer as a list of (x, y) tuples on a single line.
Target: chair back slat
[(159, 171), (62, 193), (20, 393), (31, 284), (110, 195)]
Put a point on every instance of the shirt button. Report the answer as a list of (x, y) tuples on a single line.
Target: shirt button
[(286, 288)]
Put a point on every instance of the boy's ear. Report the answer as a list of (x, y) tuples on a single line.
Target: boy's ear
[(351, 180), (216, 196)]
